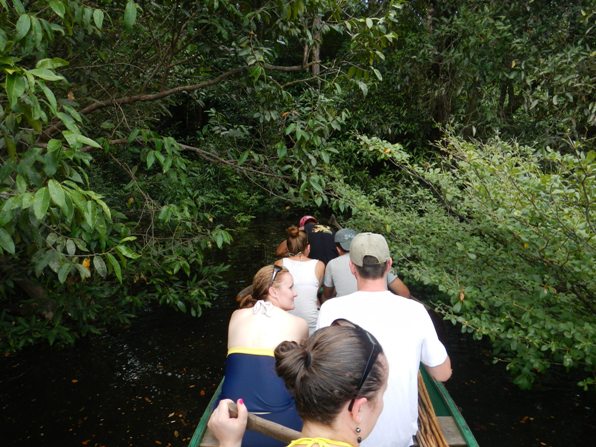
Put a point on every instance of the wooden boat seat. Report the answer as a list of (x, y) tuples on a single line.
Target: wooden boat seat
[(209, 440), (452, 434)]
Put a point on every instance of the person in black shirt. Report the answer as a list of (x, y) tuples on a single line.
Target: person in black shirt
[(320, 238)]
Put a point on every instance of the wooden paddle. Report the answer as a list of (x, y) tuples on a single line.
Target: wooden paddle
[(265, 427)]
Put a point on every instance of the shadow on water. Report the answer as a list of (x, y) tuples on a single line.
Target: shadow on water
[(148, 384)]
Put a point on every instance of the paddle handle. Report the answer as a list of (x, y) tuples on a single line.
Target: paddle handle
[(265, 427)]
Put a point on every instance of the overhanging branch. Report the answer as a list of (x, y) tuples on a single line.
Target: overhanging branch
[(50, 131)]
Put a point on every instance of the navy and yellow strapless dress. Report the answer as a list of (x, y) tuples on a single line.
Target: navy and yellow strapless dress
[(250, 375)]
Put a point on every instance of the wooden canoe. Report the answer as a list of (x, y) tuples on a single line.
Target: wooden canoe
[(452, 424)]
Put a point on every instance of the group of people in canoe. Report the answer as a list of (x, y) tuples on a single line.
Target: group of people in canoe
[(339, 366)]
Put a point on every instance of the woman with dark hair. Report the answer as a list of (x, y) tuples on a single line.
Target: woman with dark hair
[(307, 273), (337, 377), (262, 323)]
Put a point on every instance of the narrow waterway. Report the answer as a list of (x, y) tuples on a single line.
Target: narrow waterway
[(148, 384)]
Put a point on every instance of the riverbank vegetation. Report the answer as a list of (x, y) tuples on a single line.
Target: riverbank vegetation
[(136, 136)]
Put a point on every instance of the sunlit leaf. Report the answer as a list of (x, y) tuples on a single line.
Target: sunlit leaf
[(56, 193), (58, 7), (98, 17), (41, 203), (130, 14), (127, 252), (100, 266)]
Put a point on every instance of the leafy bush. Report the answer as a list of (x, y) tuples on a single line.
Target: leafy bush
[(505, 233)]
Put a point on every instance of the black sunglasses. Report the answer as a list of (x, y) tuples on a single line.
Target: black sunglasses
[(375, 350), (276, 270)]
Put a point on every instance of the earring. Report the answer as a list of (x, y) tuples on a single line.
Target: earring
[(359, 438)]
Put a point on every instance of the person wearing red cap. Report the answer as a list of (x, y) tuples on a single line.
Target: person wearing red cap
[(320, 238)]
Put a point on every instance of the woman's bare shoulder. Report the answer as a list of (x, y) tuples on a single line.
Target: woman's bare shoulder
[(297, 326)]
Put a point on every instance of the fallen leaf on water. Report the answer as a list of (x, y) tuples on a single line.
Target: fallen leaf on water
[(171, 414), (202, 393), (74, 381), (147, 399), (176, 434), (192, 386), (86, 442), (158, 442)]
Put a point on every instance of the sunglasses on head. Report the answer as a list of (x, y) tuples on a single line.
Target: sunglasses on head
[(375, 350), (276, 270)]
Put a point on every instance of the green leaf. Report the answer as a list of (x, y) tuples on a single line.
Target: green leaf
[(98, 17), (56, 193), (27, 201), (63, 272), (150, 159), (6, 241), (127, 252), (58, 7), (21, 184), (89, 214), (18, 6), (369, 22), (3, 40), (36, 31), (41, 203), (282, 150), (71, 248), (51, 239), (378, 74), (46, 74), (105, 208), (83, 271), (15, 87), (70, 125), (50, 96), (72, 112), (243, 157), (51, 63), (363, 87), (23, 26), (76, 140), (100, 266), (88, 141), (115, 266), (130, 14)]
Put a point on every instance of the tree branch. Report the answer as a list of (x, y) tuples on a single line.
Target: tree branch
[(50, 131)]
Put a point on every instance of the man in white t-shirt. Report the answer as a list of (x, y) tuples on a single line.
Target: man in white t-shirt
[(405, 331), (340, 281)]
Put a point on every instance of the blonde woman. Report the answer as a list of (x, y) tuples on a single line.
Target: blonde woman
[(338, 378), (262, 323)]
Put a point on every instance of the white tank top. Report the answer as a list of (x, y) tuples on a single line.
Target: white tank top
[(306, 286)]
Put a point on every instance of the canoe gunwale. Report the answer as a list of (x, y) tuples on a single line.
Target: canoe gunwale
[(436, 389), (202, 425)]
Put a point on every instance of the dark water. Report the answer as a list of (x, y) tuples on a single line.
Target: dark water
[(148, 384)]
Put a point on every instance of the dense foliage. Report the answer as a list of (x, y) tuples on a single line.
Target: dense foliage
[(504, 233), (130, 132), (136, 136)]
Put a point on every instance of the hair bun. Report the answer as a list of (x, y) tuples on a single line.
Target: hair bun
[(307, 359), (293, 231)]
